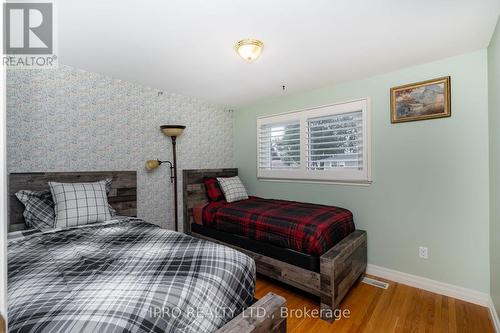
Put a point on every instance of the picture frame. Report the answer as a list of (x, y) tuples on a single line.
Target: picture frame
[(423, 100)]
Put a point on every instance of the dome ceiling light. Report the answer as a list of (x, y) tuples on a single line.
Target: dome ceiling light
[(249, 49)]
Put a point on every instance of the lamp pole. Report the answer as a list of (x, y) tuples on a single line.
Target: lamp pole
[(173, 131), (176, 208)]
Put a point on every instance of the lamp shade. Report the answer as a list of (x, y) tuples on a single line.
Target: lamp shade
[(152, 164), (172, 130), (249, 49)]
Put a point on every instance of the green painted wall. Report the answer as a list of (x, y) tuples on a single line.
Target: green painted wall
[(431, 178), (494, 100)]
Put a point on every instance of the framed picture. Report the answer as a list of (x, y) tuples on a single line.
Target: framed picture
[(421, 100)]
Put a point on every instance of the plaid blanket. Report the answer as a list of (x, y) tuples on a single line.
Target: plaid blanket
[(124, 276), (304, 227)]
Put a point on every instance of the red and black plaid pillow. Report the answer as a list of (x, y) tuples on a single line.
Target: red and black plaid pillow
[(214, 192)]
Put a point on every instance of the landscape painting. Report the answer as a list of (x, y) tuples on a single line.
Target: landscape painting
[(420, 101)]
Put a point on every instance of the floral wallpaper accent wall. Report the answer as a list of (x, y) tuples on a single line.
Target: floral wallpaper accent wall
[(73, 120)]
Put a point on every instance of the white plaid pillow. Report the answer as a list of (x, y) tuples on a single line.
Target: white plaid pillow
[(79, 203), (38, 209), (233, 189)]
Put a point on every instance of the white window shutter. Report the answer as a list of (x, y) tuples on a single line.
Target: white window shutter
[(279, 146), (335, 141)]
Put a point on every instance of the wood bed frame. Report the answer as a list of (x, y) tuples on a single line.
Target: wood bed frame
[(340, 267), (123, 198)]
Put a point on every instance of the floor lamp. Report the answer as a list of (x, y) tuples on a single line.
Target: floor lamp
[(173, 131)]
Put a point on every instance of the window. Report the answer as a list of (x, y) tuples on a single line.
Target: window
[(329, 143)]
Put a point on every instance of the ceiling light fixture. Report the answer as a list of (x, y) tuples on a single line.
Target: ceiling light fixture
[(249, 49)]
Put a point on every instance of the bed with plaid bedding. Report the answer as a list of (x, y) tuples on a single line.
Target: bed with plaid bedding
[(304, 227), (124, 276)]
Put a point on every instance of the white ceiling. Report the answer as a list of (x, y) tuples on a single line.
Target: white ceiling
[(186, 46)]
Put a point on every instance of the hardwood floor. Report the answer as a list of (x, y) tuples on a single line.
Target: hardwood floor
[(399, 308)]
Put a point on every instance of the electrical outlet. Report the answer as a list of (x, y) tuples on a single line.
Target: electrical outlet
[(423, 252)]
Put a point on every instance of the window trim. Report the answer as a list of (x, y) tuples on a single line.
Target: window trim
[(347, 177)]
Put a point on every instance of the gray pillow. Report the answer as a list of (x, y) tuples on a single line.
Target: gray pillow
[(233, 189), (38, 209), (79, 203)]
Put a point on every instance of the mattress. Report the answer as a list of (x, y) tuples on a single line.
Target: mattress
[(124, 276), (304, 227)]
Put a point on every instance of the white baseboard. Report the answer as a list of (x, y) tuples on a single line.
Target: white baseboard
[(464, 294), (494, 316), (468, 295)]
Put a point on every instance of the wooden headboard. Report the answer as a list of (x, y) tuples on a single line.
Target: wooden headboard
[(194, 189), (123, 194)]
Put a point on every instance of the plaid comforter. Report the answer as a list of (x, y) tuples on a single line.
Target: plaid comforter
[(124, 276), (304, 227)]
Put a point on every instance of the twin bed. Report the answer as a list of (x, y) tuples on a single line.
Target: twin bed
[(277, 235), (126, 275)]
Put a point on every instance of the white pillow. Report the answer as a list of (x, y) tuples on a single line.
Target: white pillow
[(233, 189), (79, 203)]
